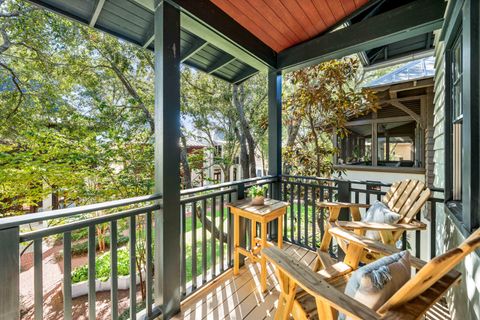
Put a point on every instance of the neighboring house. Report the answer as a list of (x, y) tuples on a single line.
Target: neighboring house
[(395, 142), (211, 172)]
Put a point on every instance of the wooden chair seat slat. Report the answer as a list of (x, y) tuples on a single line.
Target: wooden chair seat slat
[(405, 195), (417, 205), (412, 198), (391, 191), (398, 193)]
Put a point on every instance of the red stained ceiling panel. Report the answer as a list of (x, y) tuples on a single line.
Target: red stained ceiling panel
[(283, 23)]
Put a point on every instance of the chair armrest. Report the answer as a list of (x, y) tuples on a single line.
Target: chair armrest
[(377, 247), (316, 285), (364, 242), (359, 225), (327, 204)]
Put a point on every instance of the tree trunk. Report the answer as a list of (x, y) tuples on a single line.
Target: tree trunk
[(134, 94), (292, 132), (245, 130), (226, 173), (243, 155), (208, 224), (317, 144), (187, 171)]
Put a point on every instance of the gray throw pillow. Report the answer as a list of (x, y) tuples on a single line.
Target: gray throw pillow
[(376, 282), (379, 213)]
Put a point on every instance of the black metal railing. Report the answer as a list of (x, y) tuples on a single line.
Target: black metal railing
[(206, 237), (207, 231), (305, 222), (61, 225)]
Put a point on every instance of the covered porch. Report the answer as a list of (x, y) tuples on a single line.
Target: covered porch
[(188, 270)]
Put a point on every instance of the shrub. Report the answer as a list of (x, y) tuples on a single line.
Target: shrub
[(103, 267), (82, 247)]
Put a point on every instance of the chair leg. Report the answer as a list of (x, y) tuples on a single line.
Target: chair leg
[(287, 296), (325, 311), (387, 237), (317, 265)]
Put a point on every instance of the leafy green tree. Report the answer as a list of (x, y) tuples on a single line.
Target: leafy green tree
[(319, 101), (236, 113), (77, 110)]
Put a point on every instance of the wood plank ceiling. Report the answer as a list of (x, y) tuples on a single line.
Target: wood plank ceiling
[(283, 23)]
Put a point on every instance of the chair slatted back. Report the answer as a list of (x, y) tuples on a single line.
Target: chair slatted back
[(431, 273), (406, 198)]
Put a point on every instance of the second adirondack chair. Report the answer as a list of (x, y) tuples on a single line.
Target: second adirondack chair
[(405, 197)]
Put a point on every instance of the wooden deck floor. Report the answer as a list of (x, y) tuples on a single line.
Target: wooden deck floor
[(240, 297)]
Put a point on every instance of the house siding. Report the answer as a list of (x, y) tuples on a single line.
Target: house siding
[(463, 299)]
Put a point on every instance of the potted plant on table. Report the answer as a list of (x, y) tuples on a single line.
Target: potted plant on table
[(257, 193)]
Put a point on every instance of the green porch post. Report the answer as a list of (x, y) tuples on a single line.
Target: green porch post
[(275, 136), (167, 158)]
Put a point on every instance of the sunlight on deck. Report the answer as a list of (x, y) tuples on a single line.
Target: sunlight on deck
[(240, 297)]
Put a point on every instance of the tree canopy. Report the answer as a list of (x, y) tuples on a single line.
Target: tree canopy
[(77, 110)]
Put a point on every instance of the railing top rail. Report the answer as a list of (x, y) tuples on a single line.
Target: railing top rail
[(374, 183), (224, 185), (309, 178), (38, 234), (16, 221), (206, 196), (336, 180)]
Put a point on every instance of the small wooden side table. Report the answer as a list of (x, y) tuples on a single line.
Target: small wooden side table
[(271, 210)]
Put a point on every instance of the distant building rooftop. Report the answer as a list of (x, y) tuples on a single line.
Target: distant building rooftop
[(418, 69)]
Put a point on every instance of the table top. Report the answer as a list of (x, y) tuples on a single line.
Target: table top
[(270, 206)]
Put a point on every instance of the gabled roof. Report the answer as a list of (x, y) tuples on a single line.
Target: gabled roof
[(418, 69)]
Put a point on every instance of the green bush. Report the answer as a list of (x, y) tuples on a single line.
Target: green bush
[(82, 247), (103, 267), (79, 234)]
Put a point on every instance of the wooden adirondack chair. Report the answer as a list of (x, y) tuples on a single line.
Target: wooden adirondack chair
[(405, 197), (309, 295)]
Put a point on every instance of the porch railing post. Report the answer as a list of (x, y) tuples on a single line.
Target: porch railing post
[(240, 194), (167, 253), (275, 138), (344, 195), (10, 274)]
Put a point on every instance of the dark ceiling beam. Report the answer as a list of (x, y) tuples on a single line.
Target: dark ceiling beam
[(192, 64), (415, 18), (149, 38), (196, 47), (203, 18), (244, 75), (374, 10), (96, 12), (366, 7), (219, 64)]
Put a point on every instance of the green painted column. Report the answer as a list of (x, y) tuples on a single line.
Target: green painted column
[(167, 159)]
